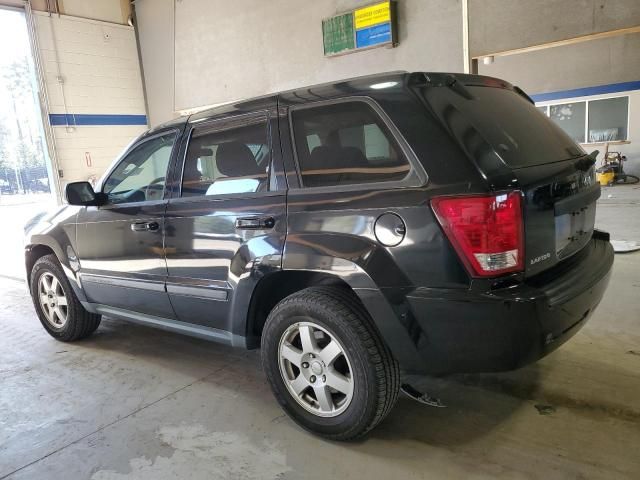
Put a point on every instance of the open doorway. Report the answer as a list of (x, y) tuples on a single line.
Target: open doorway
[(26, 185), (24, 170)]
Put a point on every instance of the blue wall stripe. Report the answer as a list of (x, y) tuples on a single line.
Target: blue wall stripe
[(84, 119), (587, 91)]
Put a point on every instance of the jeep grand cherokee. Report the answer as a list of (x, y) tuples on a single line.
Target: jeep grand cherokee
[(434, 223)]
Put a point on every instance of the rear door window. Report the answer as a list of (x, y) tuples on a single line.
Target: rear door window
[(519, 132), (227, 157), (345, 143)]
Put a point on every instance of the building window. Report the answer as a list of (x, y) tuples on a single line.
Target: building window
[(571, 118), (592, 121), (608, 119)]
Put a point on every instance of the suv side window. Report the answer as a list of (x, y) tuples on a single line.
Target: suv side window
[(140, 175), (345, 143), (230, 156)]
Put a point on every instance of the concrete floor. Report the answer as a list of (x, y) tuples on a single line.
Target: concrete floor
[(133, 402)]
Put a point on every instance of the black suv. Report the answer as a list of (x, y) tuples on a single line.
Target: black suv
[(434, 223)]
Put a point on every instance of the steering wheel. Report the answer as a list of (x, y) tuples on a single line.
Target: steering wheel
[(154, 190)]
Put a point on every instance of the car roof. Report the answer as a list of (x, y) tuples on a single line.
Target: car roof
[(322, 91), (371, 85)]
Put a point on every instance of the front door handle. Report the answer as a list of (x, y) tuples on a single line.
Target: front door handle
[(145, 226), (255, 223)]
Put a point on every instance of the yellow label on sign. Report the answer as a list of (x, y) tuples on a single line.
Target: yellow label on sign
[(373, 15)]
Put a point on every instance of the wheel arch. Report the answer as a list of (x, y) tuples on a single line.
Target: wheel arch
[(271, 289), (32, 254), (386, 315), (40, 246)]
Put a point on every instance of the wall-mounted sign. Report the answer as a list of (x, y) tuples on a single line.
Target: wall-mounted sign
[(367, 27), (337, 33)]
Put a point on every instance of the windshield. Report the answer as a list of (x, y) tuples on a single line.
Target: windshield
[(518, 132)]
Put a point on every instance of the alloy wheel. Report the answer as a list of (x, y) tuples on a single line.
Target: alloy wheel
[(53, 300), (316, 369)]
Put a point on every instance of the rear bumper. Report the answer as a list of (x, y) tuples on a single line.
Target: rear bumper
[(464, 332)]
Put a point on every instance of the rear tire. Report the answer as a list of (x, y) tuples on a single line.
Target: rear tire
[(321, 343), (59, 310)]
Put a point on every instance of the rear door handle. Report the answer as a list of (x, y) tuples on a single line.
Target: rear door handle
[(145, 226), (255, 223)]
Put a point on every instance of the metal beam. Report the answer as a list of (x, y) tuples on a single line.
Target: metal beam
[(465, 37)]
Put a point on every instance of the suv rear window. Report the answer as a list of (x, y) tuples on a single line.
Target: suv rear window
[(515, 128), (345, 143)]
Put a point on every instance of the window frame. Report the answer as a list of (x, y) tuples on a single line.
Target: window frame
[(417, 176), (587, 101), (132, 146), (216, 125)]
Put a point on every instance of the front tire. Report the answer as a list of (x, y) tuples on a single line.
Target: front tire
[(327, 365), (59, 310)]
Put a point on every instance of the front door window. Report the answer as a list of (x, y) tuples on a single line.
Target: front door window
[(140, 176)]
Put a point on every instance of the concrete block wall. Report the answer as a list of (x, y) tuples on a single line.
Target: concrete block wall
[(94, 87)]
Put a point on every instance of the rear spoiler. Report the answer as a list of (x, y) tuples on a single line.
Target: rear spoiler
[(458, 82), (522, 93)]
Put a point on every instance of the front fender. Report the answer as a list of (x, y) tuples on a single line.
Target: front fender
[(57, 232)]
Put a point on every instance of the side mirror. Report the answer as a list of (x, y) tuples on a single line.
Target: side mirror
[(81, 193)]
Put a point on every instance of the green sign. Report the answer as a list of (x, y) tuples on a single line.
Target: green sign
[(337, 33)]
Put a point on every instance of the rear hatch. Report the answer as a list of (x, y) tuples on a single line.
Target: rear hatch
[(516, 147)]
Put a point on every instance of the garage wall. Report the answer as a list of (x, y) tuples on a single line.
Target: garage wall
[(594, 67), (197, 52), (231, 50), (499, 25), (94, 86), (597, 62), (154, 21)]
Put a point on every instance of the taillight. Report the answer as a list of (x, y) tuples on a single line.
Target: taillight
[(486, 231)]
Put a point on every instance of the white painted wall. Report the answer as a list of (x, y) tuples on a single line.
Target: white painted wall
[(99, 68)]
